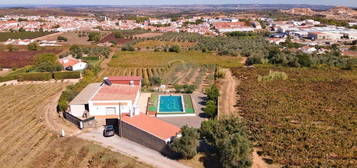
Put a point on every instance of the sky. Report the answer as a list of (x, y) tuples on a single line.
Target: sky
[(351, 3)]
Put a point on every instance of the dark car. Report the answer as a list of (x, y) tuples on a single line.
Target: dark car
[(108, 131)]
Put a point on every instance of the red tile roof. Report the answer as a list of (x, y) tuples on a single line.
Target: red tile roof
[(67, 62), (125, 78), (116, 92), (152, 125)]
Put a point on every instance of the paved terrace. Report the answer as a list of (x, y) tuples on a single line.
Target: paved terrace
[(197, 100)]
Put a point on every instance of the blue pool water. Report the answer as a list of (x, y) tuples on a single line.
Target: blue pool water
[(170, 104)]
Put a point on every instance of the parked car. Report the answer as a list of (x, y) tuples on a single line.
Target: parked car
[(108, 131)]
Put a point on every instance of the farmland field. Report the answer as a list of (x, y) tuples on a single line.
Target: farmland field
[(156, 44), (4, 36), (307, 120), (111, 38), (73, 38), (26, 140), (17, 59), (161, 59)]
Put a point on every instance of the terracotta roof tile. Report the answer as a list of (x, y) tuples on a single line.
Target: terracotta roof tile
[(124, 78), (116, 92), (152, 125)]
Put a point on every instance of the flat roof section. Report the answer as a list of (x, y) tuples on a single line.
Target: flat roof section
[(152, 125), (116, 92), (86, 94)]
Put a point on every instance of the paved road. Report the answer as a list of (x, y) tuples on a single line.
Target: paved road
[(130, 148)]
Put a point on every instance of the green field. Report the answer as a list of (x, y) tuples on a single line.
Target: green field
[(306, 120), (160, 59), (4, 36)]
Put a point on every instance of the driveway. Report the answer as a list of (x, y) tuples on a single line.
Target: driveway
[(132, 149)]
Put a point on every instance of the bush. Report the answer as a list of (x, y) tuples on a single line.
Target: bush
[(156, 81), (128, 48), (47, 63), (175, 48), (93, 58), (61, 38), (210, 109), (66, 75), (35, 76), (94, 36), (118, 35), (186, 145), (33, 46)]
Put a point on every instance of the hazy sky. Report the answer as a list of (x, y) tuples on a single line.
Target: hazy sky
[(168, 2)]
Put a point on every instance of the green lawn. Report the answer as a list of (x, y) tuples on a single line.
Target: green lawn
[(4, 36), (154, 99), (160, 59), (188, 104)]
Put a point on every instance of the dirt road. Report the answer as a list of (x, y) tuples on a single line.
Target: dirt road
[(131, 148), (228, 96)]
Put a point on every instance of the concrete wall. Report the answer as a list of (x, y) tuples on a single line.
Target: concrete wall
[(141, 137)]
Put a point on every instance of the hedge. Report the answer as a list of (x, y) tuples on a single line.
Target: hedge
[(90, 58), (8, 78), (67, 75), (35, 76)]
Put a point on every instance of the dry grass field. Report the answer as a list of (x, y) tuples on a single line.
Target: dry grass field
[(26, 141), (147, 35), (72, 37)]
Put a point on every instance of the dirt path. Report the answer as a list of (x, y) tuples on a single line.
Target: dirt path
[(227, 107), (53, 120), (228, 96)]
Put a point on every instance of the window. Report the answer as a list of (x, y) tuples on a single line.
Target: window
[(110, 110)]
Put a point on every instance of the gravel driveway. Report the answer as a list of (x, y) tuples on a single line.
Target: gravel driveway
[(131, 148)]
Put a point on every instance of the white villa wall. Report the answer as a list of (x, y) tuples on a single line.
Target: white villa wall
[(77, 110), (100, 110), (79, 66)]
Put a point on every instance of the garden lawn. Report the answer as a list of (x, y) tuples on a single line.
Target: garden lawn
[(188, 104)]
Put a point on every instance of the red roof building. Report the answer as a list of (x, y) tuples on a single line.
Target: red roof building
[(152, 125)]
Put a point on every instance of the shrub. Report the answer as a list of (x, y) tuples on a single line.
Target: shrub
[(94, 36), (210, 109), (175, 48), (47, 63), (35, 76), (33, 46), (61, 38), (93, 58), (186, 145), (118, 35), (156, 80), (66, 75)]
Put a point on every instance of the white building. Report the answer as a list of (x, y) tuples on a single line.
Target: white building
[(115, 96), (73, 64)]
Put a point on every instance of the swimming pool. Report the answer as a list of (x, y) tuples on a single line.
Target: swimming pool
[(171, 104)]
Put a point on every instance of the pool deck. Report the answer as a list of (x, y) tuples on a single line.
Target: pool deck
[(193, 121)]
